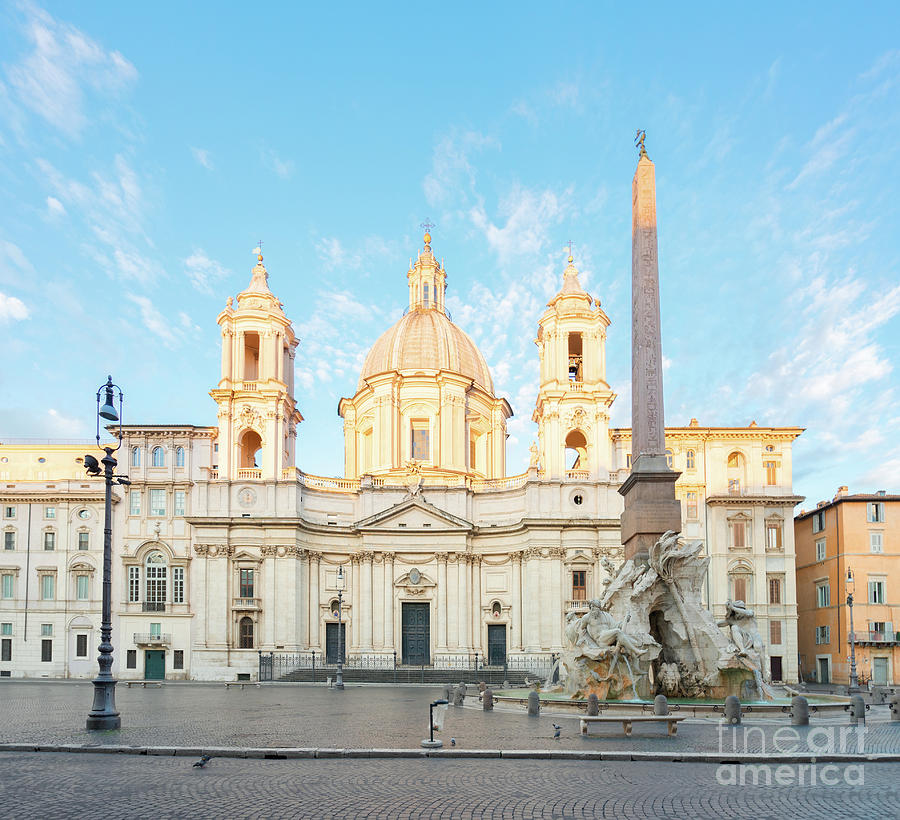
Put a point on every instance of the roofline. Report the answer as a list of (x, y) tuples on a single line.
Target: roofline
[(858, 497), (795, 431)]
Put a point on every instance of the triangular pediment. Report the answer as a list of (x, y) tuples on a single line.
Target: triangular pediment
[(415, 515)]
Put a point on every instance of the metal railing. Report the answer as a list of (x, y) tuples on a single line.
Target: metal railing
[(875, 637), (154, 606), (279, 665)]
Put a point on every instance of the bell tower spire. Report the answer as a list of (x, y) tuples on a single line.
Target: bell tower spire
[(258, 415)]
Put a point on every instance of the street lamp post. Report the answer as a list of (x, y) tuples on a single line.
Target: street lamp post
[(103, 714), (339, 683), (854, 680)]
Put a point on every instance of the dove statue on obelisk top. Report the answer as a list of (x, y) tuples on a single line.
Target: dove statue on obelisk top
[(651, 508)]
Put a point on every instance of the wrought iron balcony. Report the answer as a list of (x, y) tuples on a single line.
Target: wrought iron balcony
[(150, 639), (876, 638), (154, 606)]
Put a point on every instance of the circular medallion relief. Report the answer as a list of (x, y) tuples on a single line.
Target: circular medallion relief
[(414, 576), (247, 497), (82, 514)]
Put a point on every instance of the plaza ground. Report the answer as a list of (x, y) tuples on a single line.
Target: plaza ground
[(77, 783)]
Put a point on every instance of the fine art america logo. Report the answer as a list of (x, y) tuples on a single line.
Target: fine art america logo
[(800, 753)]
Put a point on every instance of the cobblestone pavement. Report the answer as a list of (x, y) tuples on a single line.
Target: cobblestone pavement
[(104, 786), (197, 715)]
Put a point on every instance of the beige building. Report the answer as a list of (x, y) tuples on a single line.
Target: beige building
[(224, 548), (857, 536)]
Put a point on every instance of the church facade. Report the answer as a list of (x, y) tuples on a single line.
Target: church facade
[(224, 548)]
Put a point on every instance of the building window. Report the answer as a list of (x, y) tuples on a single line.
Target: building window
[(157, 574), (50, 512), (178, 659), (47, 650), (246, 583), (179, 456), (134, 584), (179, 502), (628, 460), (6, 629), (9, 512), (6, 648), (875, 512), (46, 630), (876, 541), (771, 473), (246, 633), (669, 458), (876, 591), (774, 536), (739, 588), (48, 587), (823, 634), (134, 502), (823, 595), (135, 456), (156, 630), (740, 533), (818, 520), (157, 502), (820, 550), (158, 457), (734, 486), (9, 540), (177, 585), (49, 540), (419, 448), (691, 504), (81, 645), (131, 659), (84, 540), (7, 585), (775, 632), (579, 584), (690, 459), (82, 587), (774, 590)]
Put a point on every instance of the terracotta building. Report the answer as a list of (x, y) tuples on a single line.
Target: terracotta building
[(849, 545)]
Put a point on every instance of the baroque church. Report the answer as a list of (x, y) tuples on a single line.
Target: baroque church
[(224, 548)]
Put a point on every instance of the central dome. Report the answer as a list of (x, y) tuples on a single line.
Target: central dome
[(426, 339)]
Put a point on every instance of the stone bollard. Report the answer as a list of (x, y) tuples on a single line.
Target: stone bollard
[(799, 711), (481, 686), (487, 699), (895, 707), (660, 705), (534, 703), (857, 710), (593, 705), (732, 710), (448, 693), (459, 695)]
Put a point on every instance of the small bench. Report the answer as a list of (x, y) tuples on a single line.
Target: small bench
[(241, 683), (144, 683), (671, 721)]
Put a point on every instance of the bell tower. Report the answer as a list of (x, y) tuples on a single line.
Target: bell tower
[(257, 413), (573, 402)]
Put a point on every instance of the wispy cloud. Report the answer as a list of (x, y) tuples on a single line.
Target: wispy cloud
[(284, 168), (829, 144), (452, 173), (204, 273), (63, 67), (338, 255), (12, 309), (155, 322), (202, 156), (55, 207)]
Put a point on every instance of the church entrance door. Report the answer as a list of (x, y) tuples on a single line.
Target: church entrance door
[(496, 644), (416, 634), (154, 664), (331, 643)]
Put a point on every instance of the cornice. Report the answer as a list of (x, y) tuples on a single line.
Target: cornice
[(758, 500)]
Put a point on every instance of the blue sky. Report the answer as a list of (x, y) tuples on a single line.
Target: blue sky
[(145, 149)]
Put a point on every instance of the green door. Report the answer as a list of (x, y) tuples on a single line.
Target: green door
[(155, 664)]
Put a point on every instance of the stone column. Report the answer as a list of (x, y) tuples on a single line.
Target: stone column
[(366, 604), (515, 637), (649, 491), (476, 604), (301, 587), (462, 618), (442, 602), (314, 640), (226, 354), (272, 601), (389, 602), (355, 620)]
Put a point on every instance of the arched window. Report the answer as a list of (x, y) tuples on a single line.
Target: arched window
[(668, 458), (576, 451), (158, 457), (246, 633), (737, 478), (251, 447), (135, 456), (156, 574), (690, 458), (179, 456)]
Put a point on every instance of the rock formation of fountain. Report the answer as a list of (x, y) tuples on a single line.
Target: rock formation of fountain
[(650, 634)]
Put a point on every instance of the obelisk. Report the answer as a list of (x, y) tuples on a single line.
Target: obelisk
[(650, 505)]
